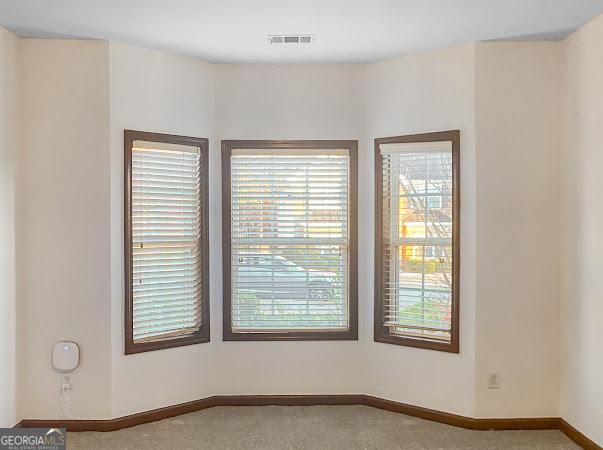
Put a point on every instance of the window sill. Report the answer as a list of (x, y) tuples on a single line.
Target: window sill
[(449, 347), (141, 347), (294, 336)]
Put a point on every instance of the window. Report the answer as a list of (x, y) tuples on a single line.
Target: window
[(434, 201), (289, 220), (417, 240), (166, 241)]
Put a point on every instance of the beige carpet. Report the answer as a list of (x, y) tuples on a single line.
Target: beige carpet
[(309, 427)]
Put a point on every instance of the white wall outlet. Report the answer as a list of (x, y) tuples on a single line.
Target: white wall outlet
[(494, 380), (67, 386)]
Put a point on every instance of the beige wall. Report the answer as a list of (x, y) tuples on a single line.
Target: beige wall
[(63, 224), (582, 232), (517, 325), (285, 102), (434, 91), (8, 155), (153, 91)]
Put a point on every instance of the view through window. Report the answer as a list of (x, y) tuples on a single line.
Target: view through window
[(290, 242), (166, 235), (418, 277)]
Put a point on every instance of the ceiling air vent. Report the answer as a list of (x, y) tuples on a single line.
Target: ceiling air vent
[(290, 38)]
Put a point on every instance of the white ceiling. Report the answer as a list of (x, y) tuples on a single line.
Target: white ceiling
[(347, 31)]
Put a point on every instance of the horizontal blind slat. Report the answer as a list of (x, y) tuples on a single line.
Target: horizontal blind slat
[(289, 237), (417, 241), (166, 221)]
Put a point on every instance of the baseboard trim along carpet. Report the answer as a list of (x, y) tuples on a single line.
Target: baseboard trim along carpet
[(531, 423), (577, 436)]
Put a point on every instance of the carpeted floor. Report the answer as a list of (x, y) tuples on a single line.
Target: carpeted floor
[(309, 427)]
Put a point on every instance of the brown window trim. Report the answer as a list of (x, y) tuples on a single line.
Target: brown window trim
[(352, 332), (202, 335), (381, 333)]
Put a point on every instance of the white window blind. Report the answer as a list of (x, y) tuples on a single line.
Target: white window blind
[(165, 237), (417, 233), (289, 240)]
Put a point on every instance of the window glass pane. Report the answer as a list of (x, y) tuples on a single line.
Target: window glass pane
[(166, 228), (289, 240), (417, 231), (421, 294)]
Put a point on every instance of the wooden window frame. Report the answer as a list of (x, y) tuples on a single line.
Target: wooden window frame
[(201, 335), (350, 334), (382, 333)]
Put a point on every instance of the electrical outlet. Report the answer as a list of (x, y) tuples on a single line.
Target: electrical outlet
[(67, 386), (494, 380)]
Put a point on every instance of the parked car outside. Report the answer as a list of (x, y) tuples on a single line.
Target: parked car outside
[(275, 277)]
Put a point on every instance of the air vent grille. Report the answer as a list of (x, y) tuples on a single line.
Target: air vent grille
[(290, 39)]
